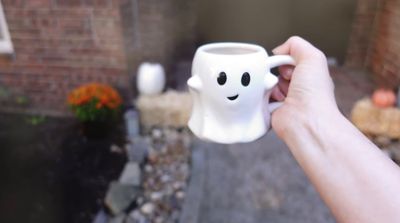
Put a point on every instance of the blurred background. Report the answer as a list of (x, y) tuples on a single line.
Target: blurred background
[(70, 68)]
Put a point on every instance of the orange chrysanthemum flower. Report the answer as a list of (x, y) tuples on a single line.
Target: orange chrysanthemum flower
[(93, 95)]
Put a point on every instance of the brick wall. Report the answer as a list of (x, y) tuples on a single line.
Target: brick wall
[(60, 44), (159, 31), (375, 41)]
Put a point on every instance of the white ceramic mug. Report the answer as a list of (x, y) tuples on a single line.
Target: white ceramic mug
[(231, 84)]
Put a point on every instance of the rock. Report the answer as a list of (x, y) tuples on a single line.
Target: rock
[(116, 149), (120, 196), (147, 208), (156, 133), (136, 217), (118, 219), (101, 217), (138, 148), (171, 136), (178, 185), (152, 157), (159, 219), (169, 109), (132, 123), (165, 178), (180, 195), (148, 168), (156, 196), (131, 174), (168, 190)]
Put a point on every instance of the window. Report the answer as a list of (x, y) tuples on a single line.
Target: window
[(6, 46)]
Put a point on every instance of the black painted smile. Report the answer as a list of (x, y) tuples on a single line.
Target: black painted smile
[(233, 97)]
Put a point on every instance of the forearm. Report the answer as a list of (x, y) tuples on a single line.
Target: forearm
[(354, 178)]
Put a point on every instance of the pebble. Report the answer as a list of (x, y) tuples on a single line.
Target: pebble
[(115, 149), (148, 168), (147, 208), (156, 133), (164, 177), (177, 185), (156, 196), (131, 174), (180, 195), (159, 219)]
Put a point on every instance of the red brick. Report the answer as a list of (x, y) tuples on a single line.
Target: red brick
[(38, 3), (69, 3)]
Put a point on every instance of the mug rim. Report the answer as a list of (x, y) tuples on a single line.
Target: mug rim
[(246, 46)]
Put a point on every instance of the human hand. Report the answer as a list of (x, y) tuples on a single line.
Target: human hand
[(306, 89)]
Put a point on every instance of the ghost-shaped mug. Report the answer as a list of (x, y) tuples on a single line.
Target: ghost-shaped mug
[(231, 84)]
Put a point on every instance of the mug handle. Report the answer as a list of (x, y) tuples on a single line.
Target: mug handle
[(274, 61)]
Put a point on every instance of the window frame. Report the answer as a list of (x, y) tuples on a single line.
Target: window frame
[(6, 46)]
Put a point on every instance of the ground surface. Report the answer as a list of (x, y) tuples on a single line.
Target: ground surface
[(260, 181)]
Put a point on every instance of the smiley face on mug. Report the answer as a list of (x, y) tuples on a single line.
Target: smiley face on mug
[(234, 83)]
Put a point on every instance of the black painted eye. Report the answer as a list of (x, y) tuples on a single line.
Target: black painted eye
[(221, 78), (245, 79)]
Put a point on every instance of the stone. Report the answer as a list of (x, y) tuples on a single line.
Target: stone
[(180, 195), (118, 219), (120, 196), (136, 217), (147, 208), (116, 149), (137, 149), (132, 123), (101, 217), (148, 168), (165, 178), (159, 219), (178, 185), (156, 133), (131, 174), (169, 109), (156, 196)]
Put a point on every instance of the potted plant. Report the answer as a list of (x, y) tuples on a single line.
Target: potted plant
[(96, 106)]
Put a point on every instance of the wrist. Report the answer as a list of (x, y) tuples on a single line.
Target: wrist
[(313, 121)]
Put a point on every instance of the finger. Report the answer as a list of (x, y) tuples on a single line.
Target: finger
[(277, 94), (298, 48), (286, 71), (283, 86)]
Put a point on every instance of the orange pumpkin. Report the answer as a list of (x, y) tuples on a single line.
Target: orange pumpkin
[(383, 98)]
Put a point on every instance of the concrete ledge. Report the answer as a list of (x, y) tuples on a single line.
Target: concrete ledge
[(194, 193)]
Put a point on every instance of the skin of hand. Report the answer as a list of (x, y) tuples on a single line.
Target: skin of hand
[(355, 179), (311, 89)]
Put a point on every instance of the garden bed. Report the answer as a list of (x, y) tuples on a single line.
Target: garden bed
[(50, 172)]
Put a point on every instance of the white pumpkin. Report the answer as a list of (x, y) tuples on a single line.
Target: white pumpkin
[(150, 78)]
